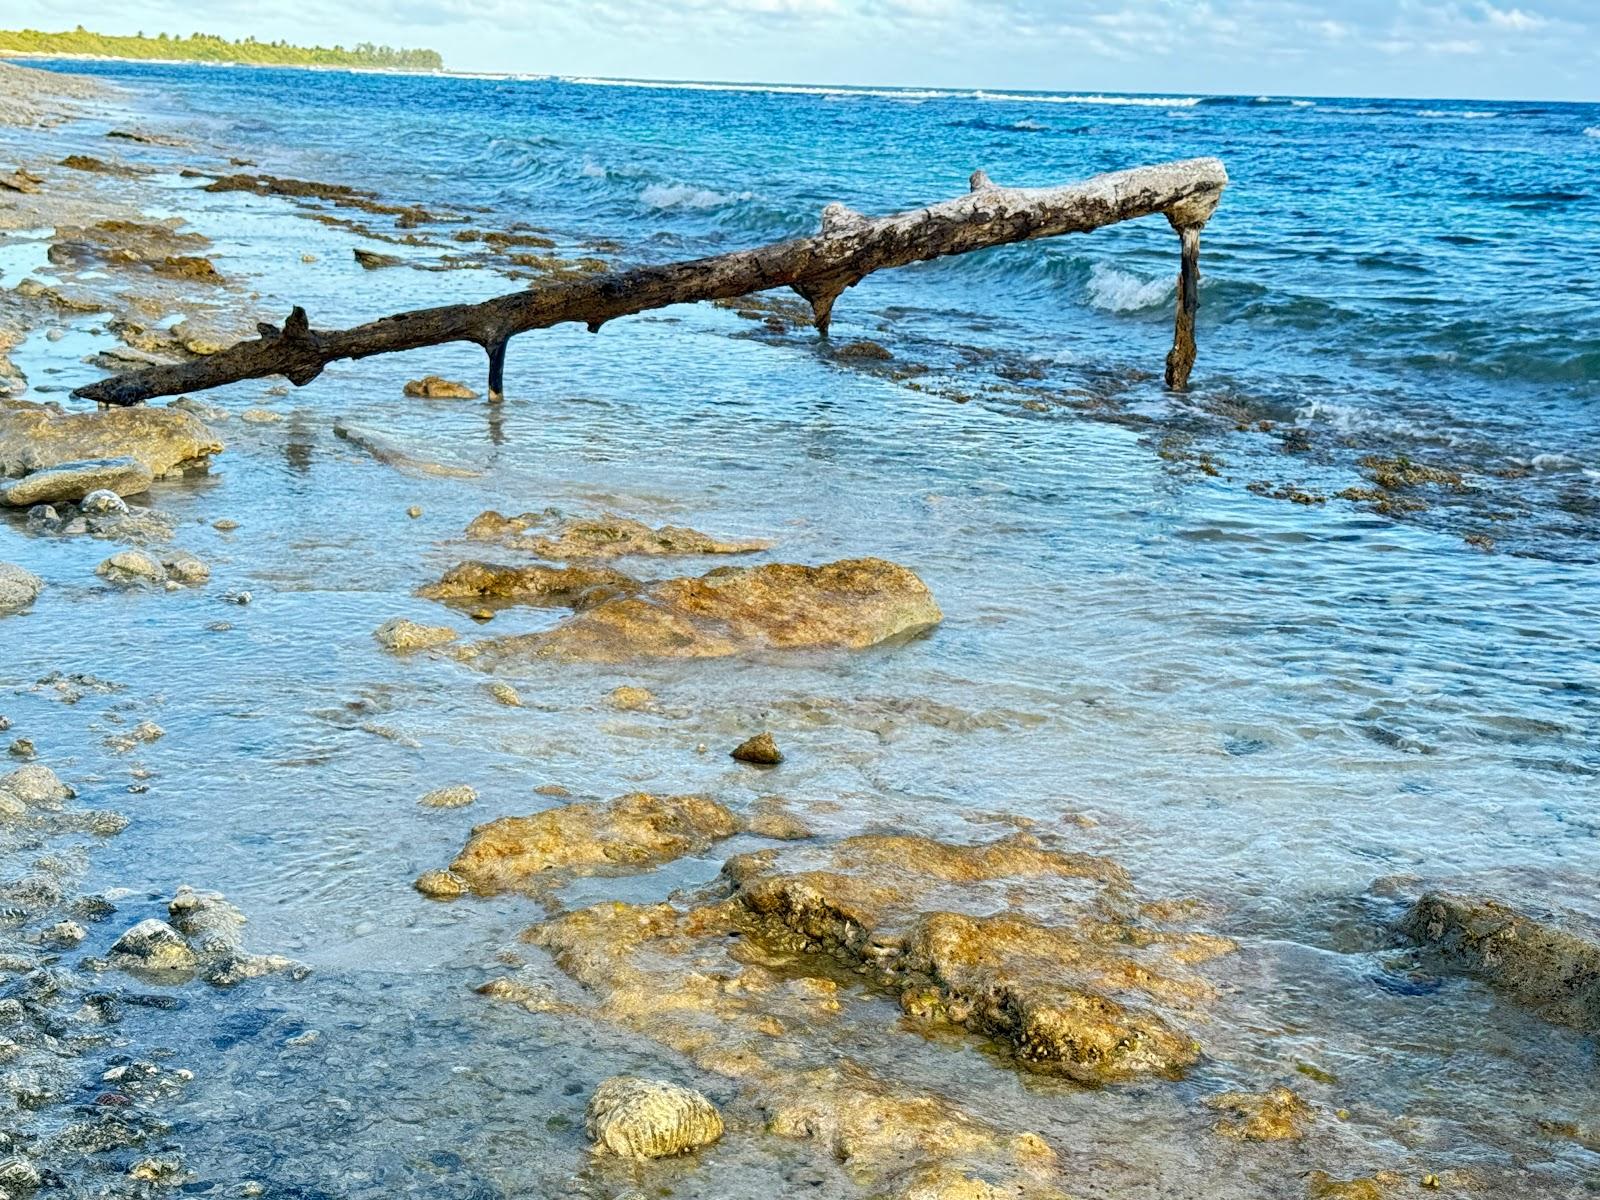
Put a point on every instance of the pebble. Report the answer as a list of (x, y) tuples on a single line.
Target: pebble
[(260, 416), (414, 511), (225, 524), (631, 699), (449, 797), (761, 750), (400, 635), (504, 693)]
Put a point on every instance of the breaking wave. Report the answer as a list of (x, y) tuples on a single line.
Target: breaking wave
[(686, 195), (1119, 291)]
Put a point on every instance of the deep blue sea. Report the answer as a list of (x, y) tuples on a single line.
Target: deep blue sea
[(1269, 705)]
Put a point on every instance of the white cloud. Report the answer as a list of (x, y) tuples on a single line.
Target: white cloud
[(1513, 19)]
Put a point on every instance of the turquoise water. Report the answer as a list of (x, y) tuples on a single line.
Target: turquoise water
[(1264, 704)]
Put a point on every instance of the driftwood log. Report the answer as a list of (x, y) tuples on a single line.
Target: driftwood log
[(848, 248)]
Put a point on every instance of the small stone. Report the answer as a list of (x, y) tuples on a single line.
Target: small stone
[(157, 1170), (21, 748), (505, 694), (441, 885), (64, 933), (650, 1118), (103, 503), (400, 635), (155, 946), (185, 568), (414, 511), (482, 614), (225, 524), (237, 597), (260, 416), (631, 699), (761, 750), (434, 387), (449, 797), (128, 568)]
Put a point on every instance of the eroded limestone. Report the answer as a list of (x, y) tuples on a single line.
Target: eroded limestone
[(848, 605)]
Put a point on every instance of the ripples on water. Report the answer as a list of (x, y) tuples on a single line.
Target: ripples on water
[(1266, 705)]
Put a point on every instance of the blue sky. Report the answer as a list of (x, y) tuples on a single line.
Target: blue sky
[(1544, 49)]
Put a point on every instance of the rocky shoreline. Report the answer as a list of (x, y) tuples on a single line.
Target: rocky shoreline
[(862, 1010)]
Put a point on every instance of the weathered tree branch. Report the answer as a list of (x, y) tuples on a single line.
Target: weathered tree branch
[(819, 268)]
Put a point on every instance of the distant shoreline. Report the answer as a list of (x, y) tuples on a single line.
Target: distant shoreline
[(51, 56)]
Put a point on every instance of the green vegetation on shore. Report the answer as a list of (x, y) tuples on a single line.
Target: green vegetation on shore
[(207, 47)]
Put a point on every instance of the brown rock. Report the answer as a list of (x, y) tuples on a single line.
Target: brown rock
[(606, 536), (1274, 1116), (761, 750), (650, 1118), (848, 605), (630, 699), (35, 436), (1549, 962), (563, 587), (631, 833), (400, 635), (435, 387)]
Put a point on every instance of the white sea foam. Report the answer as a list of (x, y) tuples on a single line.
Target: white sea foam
[(686, 195), (592, 170), (1136, 101), (1459, 114), (782, 89), (1593, 131), (1115, 290)]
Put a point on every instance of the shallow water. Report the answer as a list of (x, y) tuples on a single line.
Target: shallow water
[(1265, 705)]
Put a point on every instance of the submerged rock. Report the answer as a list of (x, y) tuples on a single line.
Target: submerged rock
[(606, 536), (400, 635), (34, 437), (35, 786), (630, 699), (650, 1118), (847, 605), (1274, 1116), (630, 833), (564, 587), (78, 480), (131, 568), (435, 387), (204, 937), (449, 797), (761, 750), (153, 945), (392, 453), (18, 588), (1549, 962)]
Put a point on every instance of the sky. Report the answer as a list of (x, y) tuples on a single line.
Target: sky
[(1540, 49)]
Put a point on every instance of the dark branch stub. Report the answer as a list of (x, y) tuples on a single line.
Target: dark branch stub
[(848, 248)]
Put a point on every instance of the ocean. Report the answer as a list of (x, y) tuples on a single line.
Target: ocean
[(1166, 631)]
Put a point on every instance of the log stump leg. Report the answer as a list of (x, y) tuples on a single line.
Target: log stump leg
[(1180, 359)]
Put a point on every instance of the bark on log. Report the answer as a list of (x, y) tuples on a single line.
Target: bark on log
[(819, 268)]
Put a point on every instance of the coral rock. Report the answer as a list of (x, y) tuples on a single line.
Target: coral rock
[(650, 1118)]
